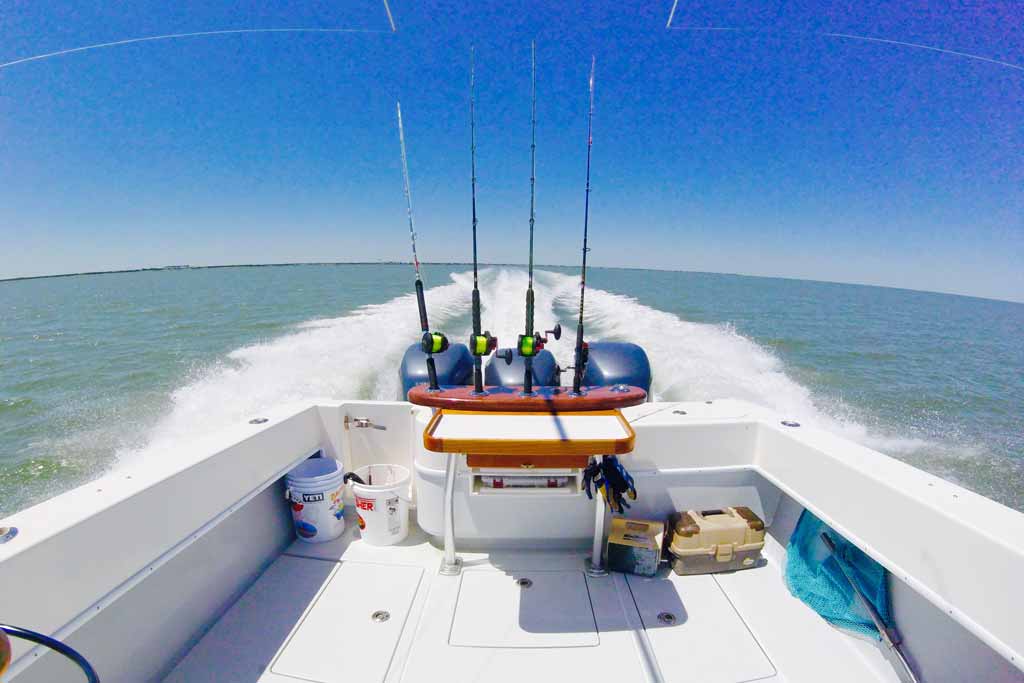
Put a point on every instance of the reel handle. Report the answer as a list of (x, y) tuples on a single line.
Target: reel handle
[(556, 333), (506, 355)]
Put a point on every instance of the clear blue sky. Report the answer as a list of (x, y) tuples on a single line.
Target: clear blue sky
[(772, 153)]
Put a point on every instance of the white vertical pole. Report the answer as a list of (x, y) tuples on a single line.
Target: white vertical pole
[(596, 567), (451, 565)]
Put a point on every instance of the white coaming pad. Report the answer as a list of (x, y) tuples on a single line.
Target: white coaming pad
[(523, 609)]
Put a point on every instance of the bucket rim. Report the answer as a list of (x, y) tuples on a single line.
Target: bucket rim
[(402, 480), (338, 473)]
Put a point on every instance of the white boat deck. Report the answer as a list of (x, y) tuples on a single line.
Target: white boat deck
[(309, 617)]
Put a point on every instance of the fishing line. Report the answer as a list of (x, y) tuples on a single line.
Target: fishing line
[(195, 34), (532, 342), (579, 364), (841, 36), (479, 344), (431, 342)]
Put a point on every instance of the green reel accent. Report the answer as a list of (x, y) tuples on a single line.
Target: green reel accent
[(433, 342), (529, 345), (482, 344)]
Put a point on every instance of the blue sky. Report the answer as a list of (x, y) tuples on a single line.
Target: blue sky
[(769, 152)]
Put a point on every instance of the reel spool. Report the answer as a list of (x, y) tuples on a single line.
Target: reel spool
[(531, 344), (433, 342), (482, 344)]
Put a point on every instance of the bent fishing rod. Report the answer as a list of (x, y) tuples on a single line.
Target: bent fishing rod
[(532, 343), (479, 344), (581, 352), (431, 342)]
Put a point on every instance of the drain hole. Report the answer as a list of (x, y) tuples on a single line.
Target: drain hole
[(667, 618), (524, 582), (380, 616)]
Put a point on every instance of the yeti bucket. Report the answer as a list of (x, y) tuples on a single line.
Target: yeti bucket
[(315, 489)]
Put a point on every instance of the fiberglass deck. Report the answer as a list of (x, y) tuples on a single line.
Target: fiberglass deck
[(318, 614)]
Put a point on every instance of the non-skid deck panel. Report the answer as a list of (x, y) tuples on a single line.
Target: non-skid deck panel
[(242, 644), (695, 633), (800, 643), (615, 656), (514, 609), (747, 621), (362, 603)]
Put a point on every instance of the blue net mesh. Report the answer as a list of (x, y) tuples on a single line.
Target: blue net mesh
[(813, 575)]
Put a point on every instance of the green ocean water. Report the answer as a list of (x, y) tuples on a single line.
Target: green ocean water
[(96, 370)]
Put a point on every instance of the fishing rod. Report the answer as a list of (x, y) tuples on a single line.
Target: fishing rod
[(479, 344), (431, 342), (580, 355), (531, 343)]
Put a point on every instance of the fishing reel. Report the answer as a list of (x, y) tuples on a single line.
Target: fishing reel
[(482, 344), (531, 344), (579, 367), (433, 342)]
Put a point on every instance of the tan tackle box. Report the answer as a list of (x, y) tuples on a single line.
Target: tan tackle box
[(702, 542)]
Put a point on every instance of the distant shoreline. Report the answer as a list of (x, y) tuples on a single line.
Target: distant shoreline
[(156, 269)]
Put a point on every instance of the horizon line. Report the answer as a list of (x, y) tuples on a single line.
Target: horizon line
[(468, 263)]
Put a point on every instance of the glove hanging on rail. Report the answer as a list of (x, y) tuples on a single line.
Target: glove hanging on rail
[(613, 481)]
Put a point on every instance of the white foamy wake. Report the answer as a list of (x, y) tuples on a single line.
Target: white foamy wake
[(691, 361), (700, 361), (356, 355)]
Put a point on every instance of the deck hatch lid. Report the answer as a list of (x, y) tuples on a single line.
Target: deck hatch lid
[(341, 637), (523, 609)]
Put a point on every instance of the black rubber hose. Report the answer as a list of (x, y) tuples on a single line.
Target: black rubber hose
[(55, 645)]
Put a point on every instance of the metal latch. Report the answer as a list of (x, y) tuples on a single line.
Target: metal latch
[(361, 423)]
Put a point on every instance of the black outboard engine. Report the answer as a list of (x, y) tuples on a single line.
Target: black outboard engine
[(611, 363), (503, 374), (454, 368)]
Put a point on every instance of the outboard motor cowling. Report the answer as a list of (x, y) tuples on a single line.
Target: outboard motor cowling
[(617, 363), (502, 374), (454, 368)]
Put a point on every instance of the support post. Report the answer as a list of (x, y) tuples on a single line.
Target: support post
[(451, 565), (596, 566)]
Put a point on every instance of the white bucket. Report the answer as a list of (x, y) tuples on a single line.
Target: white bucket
[(383, 505), (315, 490)]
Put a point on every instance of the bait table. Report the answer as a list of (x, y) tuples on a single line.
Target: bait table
[(536, 434)]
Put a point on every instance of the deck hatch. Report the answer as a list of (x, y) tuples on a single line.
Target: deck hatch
[(705, 638), (342, 636), (523, 609)]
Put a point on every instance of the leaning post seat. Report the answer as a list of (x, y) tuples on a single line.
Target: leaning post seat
[(501, 374), (454, 367)]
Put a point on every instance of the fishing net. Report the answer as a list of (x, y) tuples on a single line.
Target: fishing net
[(813, 575)]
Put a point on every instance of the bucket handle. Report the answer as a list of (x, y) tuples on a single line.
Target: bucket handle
[(353, 477)]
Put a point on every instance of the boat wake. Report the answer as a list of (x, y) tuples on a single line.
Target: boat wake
[(357, 356)]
